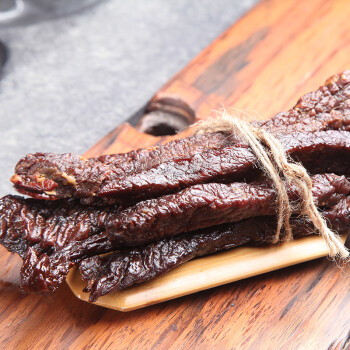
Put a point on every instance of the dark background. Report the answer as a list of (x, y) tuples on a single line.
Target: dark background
[(69, 81)]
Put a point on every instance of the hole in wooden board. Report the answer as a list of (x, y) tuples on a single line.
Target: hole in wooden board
[(160, 123), (165, 116)]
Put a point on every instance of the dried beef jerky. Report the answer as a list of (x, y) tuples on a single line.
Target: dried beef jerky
[(330, 148), (320, 152), (327, 108), (47, 226), (125, 268), (208, 205), (52, 239), (53, 176), (197, 209), (44, 273)]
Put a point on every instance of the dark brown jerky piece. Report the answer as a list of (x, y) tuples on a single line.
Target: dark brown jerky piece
[(194, 210), (44, 273), (53, 176), (327, 108), (330, 149), (31, 227), (208, 205), (125, 268), (47, 226), (320, 152), (50, 226)]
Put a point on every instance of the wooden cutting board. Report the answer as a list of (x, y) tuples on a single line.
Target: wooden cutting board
[(262, 64)]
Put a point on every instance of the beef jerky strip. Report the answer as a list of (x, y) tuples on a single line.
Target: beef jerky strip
[(53, 176), (207, 205), (125, 268), (44, 273), (326, 108), (50, 226), (47, 226), (324, 151), (332, 149), (50, 270), (48, 216)]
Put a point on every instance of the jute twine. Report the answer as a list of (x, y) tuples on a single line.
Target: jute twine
[(282, 171)]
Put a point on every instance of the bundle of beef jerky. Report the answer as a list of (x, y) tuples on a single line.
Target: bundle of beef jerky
[(155, 208)]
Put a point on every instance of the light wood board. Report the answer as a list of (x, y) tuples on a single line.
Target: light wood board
[(207, 272)]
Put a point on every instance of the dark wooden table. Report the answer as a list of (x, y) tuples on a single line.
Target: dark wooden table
[(277, 52)]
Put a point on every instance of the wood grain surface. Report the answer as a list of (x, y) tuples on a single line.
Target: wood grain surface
[(262, 64)]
